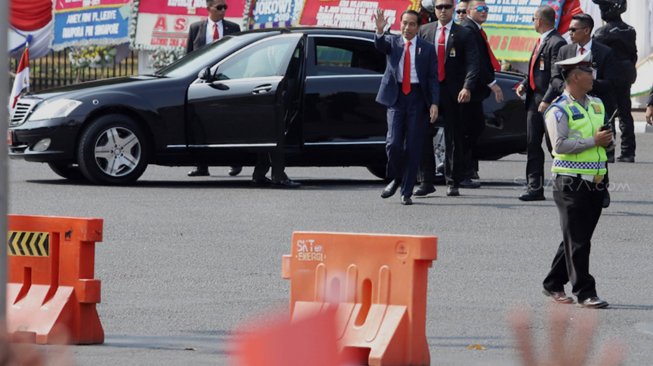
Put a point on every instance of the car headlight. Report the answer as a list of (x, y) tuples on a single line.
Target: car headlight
[(55, 109)]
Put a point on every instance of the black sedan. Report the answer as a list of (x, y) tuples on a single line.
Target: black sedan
[(221, 105)]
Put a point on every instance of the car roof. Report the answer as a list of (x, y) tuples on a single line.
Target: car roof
[(316, 30)]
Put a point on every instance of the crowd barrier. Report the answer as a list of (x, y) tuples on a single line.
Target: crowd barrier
[(50, 282)]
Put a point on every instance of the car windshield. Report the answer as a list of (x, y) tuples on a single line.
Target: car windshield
[(192, 63)]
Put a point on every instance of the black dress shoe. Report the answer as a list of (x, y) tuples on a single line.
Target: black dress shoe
[(558, 296), (606, 199), (235, 170), (390, 189), (424, 189), (406, 201), (626, 159), (468, 183), (593, 302), (286, 183), (200, 171), (261, 182), (532, 196), (453, 191)]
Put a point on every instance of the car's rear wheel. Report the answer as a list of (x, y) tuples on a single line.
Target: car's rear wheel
[(113, 150), (377, 170), (66, 170)]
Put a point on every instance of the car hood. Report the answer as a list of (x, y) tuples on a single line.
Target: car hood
[(83, 89)]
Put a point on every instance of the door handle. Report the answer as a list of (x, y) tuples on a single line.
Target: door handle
[(262, 89)]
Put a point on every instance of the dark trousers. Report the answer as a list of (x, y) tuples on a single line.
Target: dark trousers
[(535, 129), (454, 134), (626, 124), (407, 122), (474, 124), (579, 206)]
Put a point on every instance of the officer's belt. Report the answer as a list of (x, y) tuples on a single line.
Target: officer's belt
[(588, 177)]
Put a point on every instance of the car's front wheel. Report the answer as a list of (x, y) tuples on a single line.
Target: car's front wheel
[(66, 170), (113, 150)]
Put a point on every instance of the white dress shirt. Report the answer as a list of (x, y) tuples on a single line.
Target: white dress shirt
[(209, 30), (438, 30)]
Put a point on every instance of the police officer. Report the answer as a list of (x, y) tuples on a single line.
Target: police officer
[(620, 37), (574, 123)]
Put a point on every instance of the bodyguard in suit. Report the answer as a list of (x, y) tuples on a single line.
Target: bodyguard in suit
[(409, 89), (538, 97), (458, 76), (211, 29), (477, 12), (203, 33)]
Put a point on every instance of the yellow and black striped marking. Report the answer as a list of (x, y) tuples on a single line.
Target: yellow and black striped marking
[(28, 243)]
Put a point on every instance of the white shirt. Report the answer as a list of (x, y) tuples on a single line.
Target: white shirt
[(587, 47), (413, 72), (209, 30), (438, 30)]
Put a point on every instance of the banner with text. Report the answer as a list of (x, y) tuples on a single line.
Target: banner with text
[(510, 29), (165, 23), (274, 13), (91, 22)]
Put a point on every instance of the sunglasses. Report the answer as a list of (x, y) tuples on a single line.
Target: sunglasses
[(220, 7), (572, 30), (463, 11), (444, 6), (482, 8)]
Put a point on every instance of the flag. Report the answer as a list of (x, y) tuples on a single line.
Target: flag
[(21, 81), (569, 9)]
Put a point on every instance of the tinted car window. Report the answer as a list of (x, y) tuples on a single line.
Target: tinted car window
[(206, 56), (346, 56), (266, 58)]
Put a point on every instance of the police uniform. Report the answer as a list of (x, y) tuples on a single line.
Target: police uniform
[(578, 168)]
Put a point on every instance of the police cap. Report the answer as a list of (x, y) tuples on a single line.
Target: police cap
[(580, 61)]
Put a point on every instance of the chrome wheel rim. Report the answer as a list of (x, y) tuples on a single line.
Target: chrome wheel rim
[(117, 151)]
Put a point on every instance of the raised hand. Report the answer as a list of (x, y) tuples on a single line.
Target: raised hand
[(381, 20)]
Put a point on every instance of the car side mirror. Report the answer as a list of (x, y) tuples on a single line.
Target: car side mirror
[(205, 75)]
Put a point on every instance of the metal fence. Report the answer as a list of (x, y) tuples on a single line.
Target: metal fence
[(55, 70)]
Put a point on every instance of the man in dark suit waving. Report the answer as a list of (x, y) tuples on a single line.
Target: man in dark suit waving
[(201, 34), (458, 75), (409, 89), (538, 97)]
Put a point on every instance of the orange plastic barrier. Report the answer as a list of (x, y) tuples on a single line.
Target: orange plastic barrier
[(50, 285), (378, 284)]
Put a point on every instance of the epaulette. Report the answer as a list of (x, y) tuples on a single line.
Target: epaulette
[(575, 112)]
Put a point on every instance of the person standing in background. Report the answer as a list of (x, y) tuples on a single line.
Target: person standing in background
[(461, 11), (538, 97), (203, 33), (477, 12), (458, 76), (621, 37)]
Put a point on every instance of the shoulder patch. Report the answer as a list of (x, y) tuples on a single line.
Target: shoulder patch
[(557, 113), (597, 108)]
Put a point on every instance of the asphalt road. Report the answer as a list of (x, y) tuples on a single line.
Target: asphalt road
[(185, 261)]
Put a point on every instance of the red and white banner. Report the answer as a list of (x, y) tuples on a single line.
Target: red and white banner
[(165, 23), (353, 13), (22, 80)]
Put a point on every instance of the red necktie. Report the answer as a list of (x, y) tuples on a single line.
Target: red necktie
[(216, 35), (441, 52), (495, 64), (405, 83), (531, 79), (582, 50)]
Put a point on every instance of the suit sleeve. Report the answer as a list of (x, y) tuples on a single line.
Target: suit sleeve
[(382, 43), (557, 83), (550, 94), (473, 69), (191, 37), (605, 85), (433, 77)]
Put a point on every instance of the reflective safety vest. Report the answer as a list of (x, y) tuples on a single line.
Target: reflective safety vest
[(582, 124)]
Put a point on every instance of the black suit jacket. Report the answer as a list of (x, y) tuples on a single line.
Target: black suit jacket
[(197, 33), (546, 57), (486, 71), (461, 55), (606, 73)]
